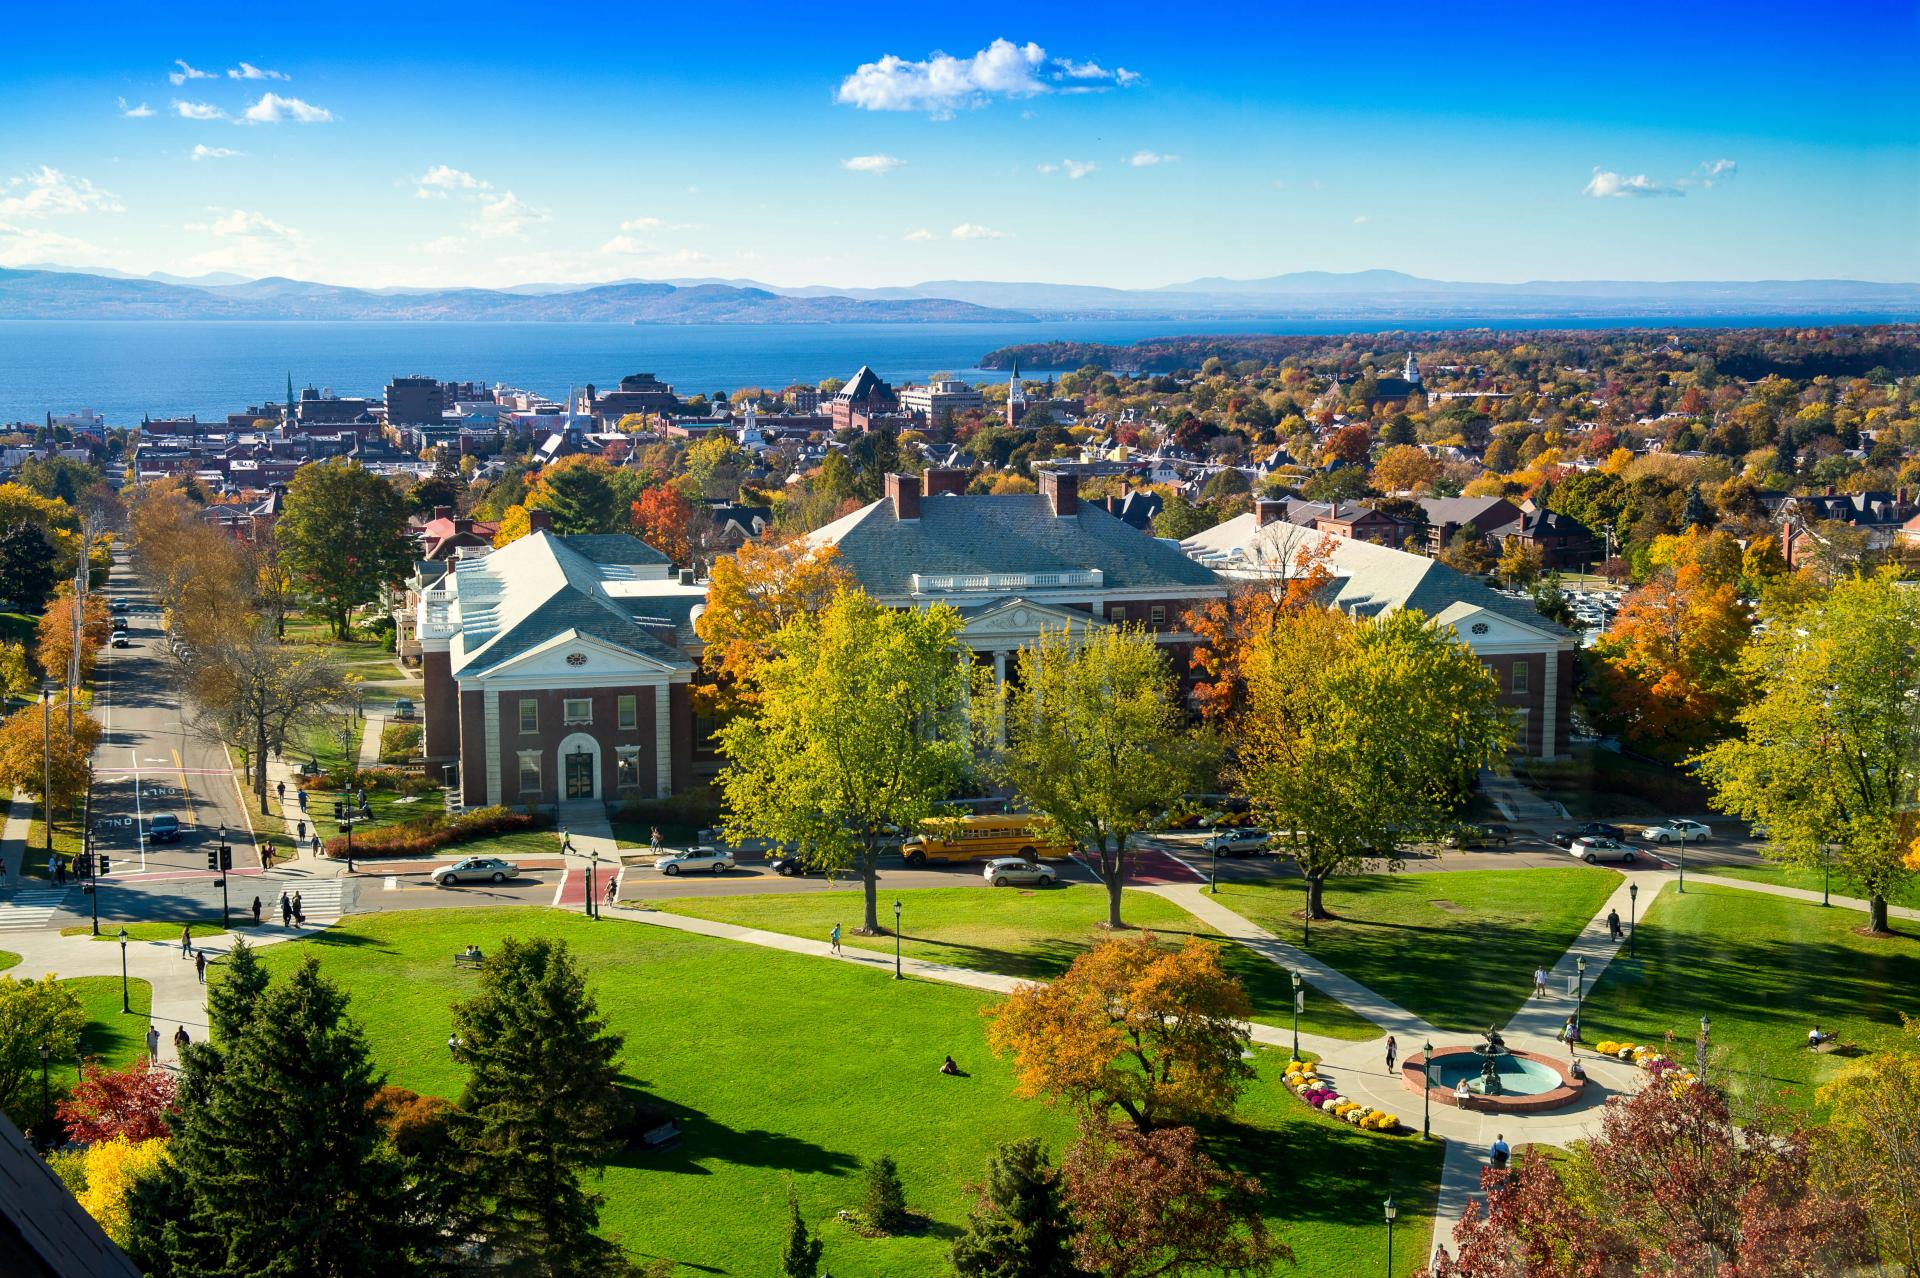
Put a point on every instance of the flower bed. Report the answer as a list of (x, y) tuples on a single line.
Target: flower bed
[(1658, 1064), (410, 838), (398, 780), (1303, 1081)]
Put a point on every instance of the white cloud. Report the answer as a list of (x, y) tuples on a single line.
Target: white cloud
[(443, 246), (626, 245), (240, 222), (974, 231), (186, 73), (1363, 219), (1714, 172), (51, 193), (23, 244), (1607, 184), (197, 110), (248, 71), (1046, 168), (272, 109), (441, 178), (141, 112), (249, 242), (942, 84), (922, 234), (1147, 159), (1077, 169), (506, 215), (872, 163), (204, 152)]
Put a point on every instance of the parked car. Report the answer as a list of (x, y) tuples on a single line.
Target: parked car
[(1016, 871), (1241, 842), (1592, 829), (792, 864), (164, 828), (1481, 836), (1678, 830), (475, 868), (714, 859), (1594, 849), (403, 707)]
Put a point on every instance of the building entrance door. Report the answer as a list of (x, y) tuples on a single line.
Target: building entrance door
[(580, 775)]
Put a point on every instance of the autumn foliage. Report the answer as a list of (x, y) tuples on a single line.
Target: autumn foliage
[(1155, 1031), (752, 594), (131, 1102), (1227, 628), (664, 518), (54, 649)]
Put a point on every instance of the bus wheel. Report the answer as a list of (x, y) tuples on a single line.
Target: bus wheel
[(1029, 854), (916, 858)]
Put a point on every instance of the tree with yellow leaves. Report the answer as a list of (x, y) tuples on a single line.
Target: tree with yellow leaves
[(514, 525), (753, 593), (1872, 1145), (111, 1169)]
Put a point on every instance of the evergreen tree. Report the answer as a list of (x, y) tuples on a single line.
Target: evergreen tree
[(233, 1000), (538, 1108), (278, 1165), (1020, 1227), (26, 566), (800, 1256), (886, 1198)]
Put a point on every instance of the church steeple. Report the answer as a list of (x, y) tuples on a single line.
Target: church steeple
[(292, 413), (1412, 372), (1016, 397)]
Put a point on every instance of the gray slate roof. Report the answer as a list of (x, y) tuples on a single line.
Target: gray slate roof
[(1007, 533)]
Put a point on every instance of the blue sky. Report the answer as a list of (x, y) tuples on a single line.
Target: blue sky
[(1122, 144)]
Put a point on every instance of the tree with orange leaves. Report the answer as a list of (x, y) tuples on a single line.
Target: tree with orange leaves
[(664, 517), (1227, 628), (1666, 677), (1153, 1030), (752, 594), (55, 647)]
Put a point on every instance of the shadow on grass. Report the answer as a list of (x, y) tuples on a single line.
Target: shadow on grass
[(1319, 1172), (706, 1139)]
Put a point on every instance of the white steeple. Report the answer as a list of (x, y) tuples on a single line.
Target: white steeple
[(1412, 373)]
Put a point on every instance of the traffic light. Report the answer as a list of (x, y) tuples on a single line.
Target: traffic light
[(103, 865), (213, 858), (82, 865), (226, 857)]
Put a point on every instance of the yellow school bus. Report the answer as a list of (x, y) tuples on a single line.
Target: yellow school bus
[(975, 838)]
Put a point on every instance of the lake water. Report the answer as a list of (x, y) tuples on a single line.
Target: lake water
[(130, 368)]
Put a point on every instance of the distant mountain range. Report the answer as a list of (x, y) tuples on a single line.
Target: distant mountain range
[(63, 293)]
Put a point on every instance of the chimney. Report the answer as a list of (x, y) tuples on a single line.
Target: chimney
[(904, 492), (686, 576), (1267, 511), (939, 481), (1062, 493), (443, 512), (462, 525), (539, 521)]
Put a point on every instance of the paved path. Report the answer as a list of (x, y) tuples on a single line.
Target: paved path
[(1519, 803), (13, 841), (1802, 894), (370, 742)]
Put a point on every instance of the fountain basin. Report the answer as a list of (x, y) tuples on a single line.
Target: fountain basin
[(1530, 1082)]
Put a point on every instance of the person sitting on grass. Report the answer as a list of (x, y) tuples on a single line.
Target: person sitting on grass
[(948, 1067), (1815, 1038)]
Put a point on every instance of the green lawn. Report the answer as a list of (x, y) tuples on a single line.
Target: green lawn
[(150, 931), (68, 841), (18, 627), (116, 1038), (1766, 970), (638, 835), (785, 1069), (8, 959), (1457, 948), (1033, 934), (1795, 876)]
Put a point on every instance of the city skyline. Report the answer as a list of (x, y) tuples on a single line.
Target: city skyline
[(387, 150)]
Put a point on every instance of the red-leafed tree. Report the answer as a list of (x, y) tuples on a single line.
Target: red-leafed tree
[(1226, 628), (1349, 444), (664, 517), (133, 1102), (1672, 1184), (1151, 1205)]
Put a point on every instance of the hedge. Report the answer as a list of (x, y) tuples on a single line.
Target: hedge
[(410, 838), (399, 742), (396, 779)]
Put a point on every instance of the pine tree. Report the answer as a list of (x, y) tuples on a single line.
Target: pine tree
[(278, 1155), (538, 1107), (233, 999), (886, 1197), (800, 1257), (1020, 1227)]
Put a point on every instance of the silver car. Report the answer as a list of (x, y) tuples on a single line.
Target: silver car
[(475, 868), (716, 860), (1016, 871), (1594, 849)]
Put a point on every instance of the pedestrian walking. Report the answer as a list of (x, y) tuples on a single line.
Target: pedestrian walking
[(186, 940), (299, 915), (286, 911), (180, 1040), (303, 801), (656, 840), (613, 890), (57, 871), (153, 1041), (256, 911), (266, 857), (280, 789), (200, 966), (1613, 925), (834, 937), (1393, 1052), (1539, 982)]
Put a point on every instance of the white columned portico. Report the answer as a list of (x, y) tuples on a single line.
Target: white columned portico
[(662, 740)]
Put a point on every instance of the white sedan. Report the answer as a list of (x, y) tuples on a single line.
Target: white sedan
[(1679, 830), (1594, 849), (716, 860), (475, 868), (1016, 870)]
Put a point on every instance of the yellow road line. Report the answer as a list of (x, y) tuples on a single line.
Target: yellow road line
[(186, 791)]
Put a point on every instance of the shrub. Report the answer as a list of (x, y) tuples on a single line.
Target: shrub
[(398, 780), (886, 1202), (399, 742), (696, 809), (411, 838)]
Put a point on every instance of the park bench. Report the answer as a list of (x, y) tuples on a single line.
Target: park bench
[(463, 959), (662, 1136)]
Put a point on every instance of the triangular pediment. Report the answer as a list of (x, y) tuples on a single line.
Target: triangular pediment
[(574, 654), (1022, 618), (1485, 630)]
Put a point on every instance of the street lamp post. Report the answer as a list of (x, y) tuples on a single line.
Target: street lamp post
[(93, 877), (345, 821), (1213, 874), (1683, 862), (1426, 1092), (1633, 920), (1299, 996), (1391, 1212), (1826, 871), (896, 938), (125, 1006), (226, 866), (1700, 1047), (46, 767)]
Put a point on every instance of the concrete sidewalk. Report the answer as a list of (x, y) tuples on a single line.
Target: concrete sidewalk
[(13, 841)]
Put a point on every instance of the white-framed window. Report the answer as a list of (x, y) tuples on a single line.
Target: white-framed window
[(529, 771), (1158, 615), (1116, 613), (529, 715), (627, 769), (629, 711), (1519, 678), (576, 710)]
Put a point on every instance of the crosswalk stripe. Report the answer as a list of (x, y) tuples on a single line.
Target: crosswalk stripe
[(321, 901), (31, 907)]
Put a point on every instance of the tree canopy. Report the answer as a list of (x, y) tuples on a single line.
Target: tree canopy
[(342, 536)]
